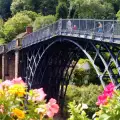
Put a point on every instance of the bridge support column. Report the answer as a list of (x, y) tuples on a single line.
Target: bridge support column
[(4, 66), (16, 63)]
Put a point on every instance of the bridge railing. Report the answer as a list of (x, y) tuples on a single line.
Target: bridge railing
[(41, 34), (109, 28), (11, 45), (77, 27)]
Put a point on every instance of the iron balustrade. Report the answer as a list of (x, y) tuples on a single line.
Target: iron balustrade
[(10, 46), (84, 28)]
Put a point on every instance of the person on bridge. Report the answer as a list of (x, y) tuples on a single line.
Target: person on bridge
[(74, 27), (69, 26), (100, 27)]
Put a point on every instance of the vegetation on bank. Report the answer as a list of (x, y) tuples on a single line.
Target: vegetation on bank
[(22, 13)]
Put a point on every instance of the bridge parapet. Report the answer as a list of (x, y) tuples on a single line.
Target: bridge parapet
[(11, 45), (107, 30), (41, 35)]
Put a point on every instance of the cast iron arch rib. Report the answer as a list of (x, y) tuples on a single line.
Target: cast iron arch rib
[(41, 57)]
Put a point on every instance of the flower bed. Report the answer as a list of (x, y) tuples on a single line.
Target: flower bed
[(18, 104)]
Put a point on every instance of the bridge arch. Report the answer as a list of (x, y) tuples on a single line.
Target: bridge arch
[(47, 65)]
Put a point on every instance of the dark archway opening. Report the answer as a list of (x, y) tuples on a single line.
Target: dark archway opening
[(53, 73)]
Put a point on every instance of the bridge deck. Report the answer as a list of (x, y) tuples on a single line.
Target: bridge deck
[(80, 28)]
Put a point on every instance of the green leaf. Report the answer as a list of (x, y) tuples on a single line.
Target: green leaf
[(104, 117)]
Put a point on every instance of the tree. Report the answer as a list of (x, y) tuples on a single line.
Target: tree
[(42, 21), (91, 9), (20, 5), (16, 25), (61, 10), (30, 14), (45, 7), (5, 8), (115, 4)]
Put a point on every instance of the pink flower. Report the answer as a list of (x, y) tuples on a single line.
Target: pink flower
[(39, 95), (107, 93), (6, 83), (18, 81), (52, 107), (102, 99), (109, 88)]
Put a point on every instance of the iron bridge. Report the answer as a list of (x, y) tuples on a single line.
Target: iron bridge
[(47, 54)]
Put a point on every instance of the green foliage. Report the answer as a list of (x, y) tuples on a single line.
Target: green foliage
[(30, 14), (84, 94), (16, 25), (118, 15), (91, 9), (2, 41), (61, 10), (2, 36), (82, 74), (20, 5), (42, 21), (46, 7), (77, 112)]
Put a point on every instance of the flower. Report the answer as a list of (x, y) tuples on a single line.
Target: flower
[(17, 103), (37, 96), (6, 83), (17, 89), (102, 99), (18, 81), (18, 113), (107, 93), (109, 88), (109, 103), (84, 106), (52, 107)]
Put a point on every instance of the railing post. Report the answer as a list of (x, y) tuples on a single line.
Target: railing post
[(113, 30), (60, 26), (86, 26), (103, 31), (94, 26), (79, 27)]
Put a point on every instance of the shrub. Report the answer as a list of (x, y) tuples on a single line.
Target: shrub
[(83, 94), (77, 111), (84, 73)]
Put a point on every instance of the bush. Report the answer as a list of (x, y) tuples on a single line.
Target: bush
[(83, 94), (84, 73), (42, 21)]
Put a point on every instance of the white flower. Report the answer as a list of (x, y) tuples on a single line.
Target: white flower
[(84, 106)]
